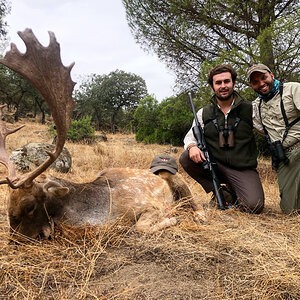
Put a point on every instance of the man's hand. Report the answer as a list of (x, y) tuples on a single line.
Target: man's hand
[(196, 155)]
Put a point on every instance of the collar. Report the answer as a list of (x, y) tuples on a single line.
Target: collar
[(231, 105), (273, 92)]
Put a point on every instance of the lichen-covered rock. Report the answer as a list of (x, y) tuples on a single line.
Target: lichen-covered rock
[(32, 155)]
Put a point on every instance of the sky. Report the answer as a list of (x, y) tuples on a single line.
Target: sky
[(92, 33)]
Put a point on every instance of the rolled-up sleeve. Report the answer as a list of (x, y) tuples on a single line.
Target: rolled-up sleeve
[(257, 125), (189, 138)]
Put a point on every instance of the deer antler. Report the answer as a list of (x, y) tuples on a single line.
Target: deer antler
[(4, 159), (42, 66)]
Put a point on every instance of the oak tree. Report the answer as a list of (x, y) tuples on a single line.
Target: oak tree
[(107, 98)]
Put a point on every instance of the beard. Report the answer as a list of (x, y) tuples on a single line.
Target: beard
[(270, 85), (224, 98)]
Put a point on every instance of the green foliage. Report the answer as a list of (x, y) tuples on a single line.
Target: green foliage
[(110, 99), (175, 119), (4, 10), (20, 95), (146, 118), (164, 123), (80, 130)]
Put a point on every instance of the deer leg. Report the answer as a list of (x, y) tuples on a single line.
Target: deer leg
[(164, 223), (153, 220)]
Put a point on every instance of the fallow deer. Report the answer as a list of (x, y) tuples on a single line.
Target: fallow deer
[(35, 203)]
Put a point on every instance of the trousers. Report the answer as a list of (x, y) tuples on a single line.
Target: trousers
[(289, 183), (244, 183)]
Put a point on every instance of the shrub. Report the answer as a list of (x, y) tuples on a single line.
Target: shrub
[(163, 123), (80, 130)]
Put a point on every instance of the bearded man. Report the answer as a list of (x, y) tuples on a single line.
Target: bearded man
[(278, 110), (228, 131)]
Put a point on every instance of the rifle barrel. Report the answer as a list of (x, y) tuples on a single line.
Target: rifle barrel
[(193, 109), (208, 164)]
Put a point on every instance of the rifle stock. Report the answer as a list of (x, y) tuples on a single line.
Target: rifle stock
[(209, 163)]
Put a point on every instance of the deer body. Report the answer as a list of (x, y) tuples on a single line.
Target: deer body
[(138, 196)]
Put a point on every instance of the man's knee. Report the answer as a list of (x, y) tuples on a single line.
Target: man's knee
[(257, 208), (253, 206), (185, 160)]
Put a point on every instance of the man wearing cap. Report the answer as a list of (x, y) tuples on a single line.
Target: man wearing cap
[(278, 116), (228, 131)]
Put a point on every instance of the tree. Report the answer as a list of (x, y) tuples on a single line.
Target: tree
[(20, 96), (163, 123), (108, 98), (147, 120), (4, 10), (176, 118), (191, 36)]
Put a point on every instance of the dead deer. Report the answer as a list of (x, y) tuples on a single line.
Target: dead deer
[(36, 203)]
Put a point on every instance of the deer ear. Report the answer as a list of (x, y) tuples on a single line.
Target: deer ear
[(54, 189), (59, 192)]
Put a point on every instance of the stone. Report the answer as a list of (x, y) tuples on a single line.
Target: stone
[(31, 155)]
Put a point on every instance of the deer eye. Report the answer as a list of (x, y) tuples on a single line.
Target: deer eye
[(30, 208)]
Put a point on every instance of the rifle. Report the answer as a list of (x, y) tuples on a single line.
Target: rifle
[(209, 163)]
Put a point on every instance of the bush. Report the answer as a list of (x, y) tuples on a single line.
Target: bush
[(80, 130), (146, 120), (163, 123)]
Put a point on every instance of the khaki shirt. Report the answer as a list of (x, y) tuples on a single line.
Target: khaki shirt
[(272, 116)]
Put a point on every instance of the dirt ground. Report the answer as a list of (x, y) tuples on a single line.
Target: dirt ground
[(223, 255)]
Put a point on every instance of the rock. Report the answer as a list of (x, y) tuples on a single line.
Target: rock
[(101, 137), (9, 118), (96, 138), (173, 150), (32, 155)]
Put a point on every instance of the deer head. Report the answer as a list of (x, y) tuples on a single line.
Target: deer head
[(42, 66)]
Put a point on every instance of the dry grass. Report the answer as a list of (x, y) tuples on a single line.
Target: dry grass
[(230, 255)]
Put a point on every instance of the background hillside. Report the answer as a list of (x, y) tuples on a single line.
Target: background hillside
[(225, 255)]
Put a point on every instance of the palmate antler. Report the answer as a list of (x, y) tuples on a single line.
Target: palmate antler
[(42, 66), (4, 159)]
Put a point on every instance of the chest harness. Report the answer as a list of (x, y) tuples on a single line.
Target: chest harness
[(226, 132)]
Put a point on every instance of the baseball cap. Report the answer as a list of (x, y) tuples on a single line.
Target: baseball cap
[(164, 162), (257, 68)]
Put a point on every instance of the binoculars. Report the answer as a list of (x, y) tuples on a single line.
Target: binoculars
[(226, 137), (278, 155)]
